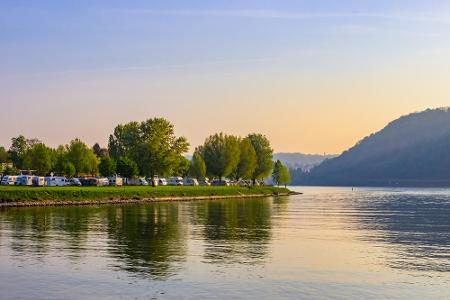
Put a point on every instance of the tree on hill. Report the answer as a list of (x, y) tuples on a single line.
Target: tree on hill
[(264, 155), (221, 154)]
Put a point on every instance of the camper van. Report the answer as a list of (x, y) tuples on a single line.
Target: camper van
[(25, 180), (190, 181), (162, 181), (8, 180), (56, 181), (38, 181), (115, 181), (175, 181), (137, 181)]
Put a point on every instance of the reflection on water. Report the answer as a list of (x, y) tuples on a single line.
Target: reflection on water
[(327, 243)]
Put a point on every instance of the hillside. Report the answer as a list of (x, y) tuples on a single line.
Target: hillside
[(413, 150), (300, 160)]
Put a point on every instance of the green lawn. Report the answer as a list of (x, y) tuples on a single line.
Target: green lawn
[(16, 193)]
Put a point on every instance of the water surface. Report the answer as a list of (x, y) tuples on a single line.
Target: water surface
[(330, 243)]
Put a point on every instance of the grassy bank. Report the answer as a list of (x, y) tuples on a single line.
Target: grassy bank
[(55, 194)]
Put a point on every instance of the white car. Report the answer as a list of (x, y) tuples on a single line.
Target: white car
[(190, 181), (162, 181)]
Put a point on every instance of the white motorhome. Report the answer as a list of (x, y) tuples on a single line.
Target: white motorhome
[(190, 181), (137, 181), (8, 180), (175, 181), (38, 181), (25, 180), (56, 181), (162, 181), (117, 181)]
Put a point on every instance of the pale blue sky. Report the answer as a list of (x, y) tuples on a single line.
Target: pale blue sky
[(315, 76)]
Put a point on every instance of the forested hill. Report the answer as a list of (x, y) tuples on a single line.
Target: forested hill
[(300, 160), (413, 150)]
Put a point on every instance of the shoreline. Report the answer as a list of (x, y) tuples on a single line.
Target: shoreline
[(43, 203)]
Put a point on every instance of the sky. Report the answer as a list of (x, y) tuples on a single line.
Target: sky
[(314, 76)]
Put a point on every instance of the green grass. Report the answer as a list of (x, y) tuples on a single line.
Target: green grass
[(16, 193)]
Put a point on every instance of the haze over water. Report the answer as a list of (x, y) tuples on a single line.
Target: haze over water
[(330, 243)]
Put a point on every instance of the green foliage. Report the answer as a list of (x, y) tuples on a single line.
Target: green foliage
[(182, 169), (152, 144), (4, 157), (247, 160), (107, 166), (264, 154), (280, 174), (99, 151), (17, 150), (197, 168), (38, 157), (82, 157), (221, 154), (126, 167), (69, 169)]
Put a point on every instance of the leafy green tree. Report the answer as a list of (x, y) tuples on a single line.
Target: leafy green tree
[(4, 157), (247, 161), (82, 157), (152, 144), (107, 166), (264, 155), (197, 168), (125, 167), (69, 169), (99, 151), (280, 174), (183, 167), (39, 157), (60, 160), (221, 154), (17, 150)]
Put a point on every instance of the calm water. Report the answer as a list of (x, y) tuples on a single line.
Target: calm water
[(329, 243)]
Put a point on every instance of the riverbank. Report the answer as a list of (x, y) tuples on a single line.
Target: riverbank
[(12, 196)]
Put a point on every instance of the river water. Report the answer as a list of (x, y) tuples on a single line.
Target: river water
[(329, 243)]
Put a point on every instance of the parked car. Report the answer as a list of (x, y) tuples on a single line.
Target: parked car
[(223, 182), (175, 181), (56, 181), (38, 181), (89, 181), (162, 181), (115, 181), (8, 180), (24, 180), (75, 182), (153, 181), (190, 181), (137, 181)]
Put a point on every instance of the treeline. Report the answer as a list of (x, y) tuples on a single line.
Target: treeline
[(150, 148)]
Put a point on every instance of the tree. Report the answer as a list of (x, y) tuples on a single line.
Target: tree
[(4, 157), (99, 151), (107, 166), (221, 154), (264, 154), (69, 169), (39, 157), (280, 174), (152, 144), (17, 150), (247, 160), (82, 157), (197, 168), (125, 167)]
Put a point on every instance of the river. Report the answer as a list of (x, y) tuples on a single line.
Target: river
[(329, 243)]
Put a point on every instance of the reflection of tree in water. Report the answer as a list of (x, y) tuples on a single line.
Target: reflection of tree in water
[(34, 231), (235, 231), (417, 226), (147, 239)]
